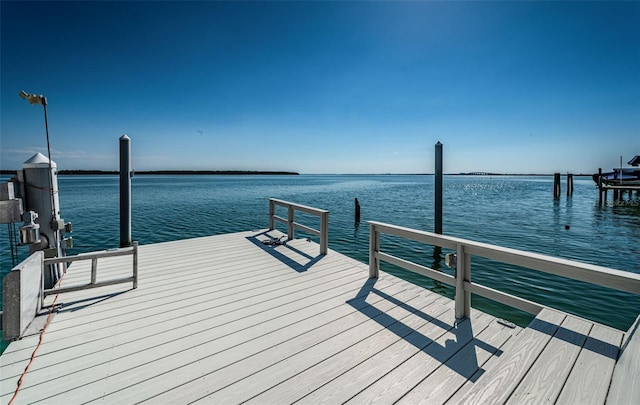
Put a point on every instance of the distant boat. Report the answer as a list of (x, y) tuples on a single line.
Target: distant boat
[(622, 176)]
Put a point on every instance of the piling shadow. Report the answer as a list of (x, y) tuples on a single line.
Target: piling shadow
[(462, 346), (281, 252)]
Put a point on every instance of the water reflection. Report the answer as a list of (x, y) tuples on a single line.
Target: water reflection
[(436, 264)]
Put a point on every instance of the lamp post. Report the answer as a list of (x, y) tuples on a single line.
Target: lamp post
[(42, 100)]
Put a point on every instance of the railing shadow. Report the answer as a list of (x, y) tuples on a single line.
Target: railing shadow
[(77, 305), (463, 344), (280, 252), (575, 338)]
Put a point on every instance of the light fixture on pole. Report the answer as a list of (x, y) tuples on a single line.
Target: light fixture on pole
[(33, 98), (42, 100)]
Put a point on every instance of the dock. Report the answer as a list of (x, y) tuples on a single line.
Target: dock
[(230, 319)]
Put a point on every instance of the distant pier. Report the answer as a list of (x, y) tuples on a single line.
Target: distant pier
[(618, 191)]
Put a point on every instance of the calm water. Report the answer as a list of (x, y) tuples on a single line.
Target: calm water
[(517, 212)]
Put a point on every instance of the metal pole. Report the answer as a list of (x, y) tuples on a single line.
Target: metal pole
[(438, 191), (125, 191), (46, 127)]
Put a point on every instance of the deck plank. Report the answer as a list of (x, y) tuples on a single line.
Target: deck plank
[(438, 387), (341, 388), (131, 341), (197, 306), (294, 388), (497, 385), (547, 375), (589, 380), (220, 368), (386, 330), (226, 319), (396, 383)]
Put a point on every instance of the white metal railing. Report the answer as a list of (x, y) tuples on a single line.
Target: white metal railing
[(620, 280), (133, 251), (322, 233)]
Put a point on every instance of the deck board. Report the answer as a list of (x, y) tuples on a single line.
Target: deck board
[(506, 374), (438, 387), (333, 375), (589, 379), (547, 375), (225, 319), (432, 354)]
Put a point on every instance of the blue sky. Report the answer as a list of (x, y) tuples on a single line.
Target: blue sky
[(324, 87)]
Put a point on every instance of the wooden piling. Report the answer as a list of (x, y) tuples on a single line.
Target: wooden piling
[(569, 184), (438, 189), (556, 185), (125, 191), (600, 186), (357, 205)]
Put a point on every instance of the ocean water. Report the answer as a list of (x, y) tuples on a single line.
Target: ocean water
[(517, 212)]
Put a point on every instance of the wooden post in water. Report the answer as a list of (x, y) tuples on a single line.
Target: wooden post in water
[(569, 184), (357, 217), (438, 189), (600, 186), (556, 185), (125, 191)]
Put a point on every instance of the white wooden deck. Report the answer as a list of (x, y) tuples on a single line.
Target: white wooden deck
[(225, 319)]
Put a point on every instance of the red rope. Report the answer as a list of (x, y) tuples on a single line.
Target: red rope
[(33, 355)]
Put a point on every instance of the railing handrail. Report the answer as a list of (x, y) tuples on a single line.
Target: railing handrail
[(94, 256), (598, 275), (323, 232)]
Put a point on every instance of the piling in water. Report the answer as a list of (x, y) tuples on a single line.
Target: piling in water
[(357, 205), (125, 191), (556, 185), (569, 184), (600, 186), (438, 189)]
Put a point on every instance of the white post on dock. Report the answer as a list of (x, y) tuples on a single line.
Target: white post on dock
[(125, 191), (463, 275), (438, 189)]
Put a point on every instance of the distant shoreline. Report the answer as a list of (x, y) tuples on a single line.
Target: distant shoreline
[(163, 172), (283, 173)]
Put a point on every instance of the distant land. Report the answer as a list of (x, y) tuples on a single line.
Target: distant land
[(163, 172), (248, 172)]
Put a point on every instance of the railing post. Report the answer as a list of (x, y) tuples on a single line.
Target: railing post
[(94, 270), (290, 227), (324, 233), (272, 212), (463, 273), (374, 247), (135, 264)]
